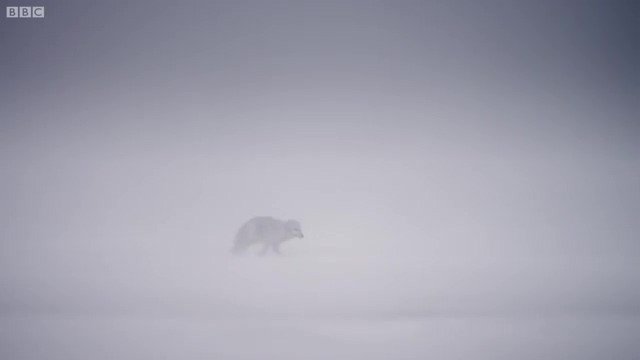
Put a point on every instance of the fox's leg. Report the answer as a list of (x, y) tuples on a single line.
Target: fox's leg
[(264, 250)]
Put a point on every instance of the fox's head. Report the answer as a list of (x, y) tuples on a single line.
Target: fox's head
[(293, 228)]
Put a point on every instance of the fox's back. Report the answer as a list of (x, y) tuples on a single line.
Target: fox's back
[(259, 229)]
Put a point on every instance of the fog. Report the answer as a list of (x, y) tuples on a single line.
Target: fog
[(466, 173)]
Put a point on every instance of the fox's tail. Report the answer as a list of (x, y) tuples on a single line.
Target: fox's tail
[(238, 248), (240, 241)]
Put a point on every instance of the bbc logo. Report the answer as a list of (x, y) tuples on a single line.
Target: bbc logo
[(25, 11)]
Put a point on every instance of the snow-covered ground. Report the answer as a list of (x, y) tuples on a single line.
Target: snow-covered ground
[(476, 337), (304, 307)]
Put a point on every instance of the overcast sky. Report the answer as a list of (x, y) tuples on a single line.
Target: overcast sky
[(437, 127)]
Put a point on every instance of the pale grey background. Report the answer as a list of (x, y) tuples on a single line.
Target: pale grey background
[(467, 175)]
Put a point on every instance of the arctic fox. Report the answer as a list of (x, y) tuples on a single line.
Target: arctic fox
[(268, 231)]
